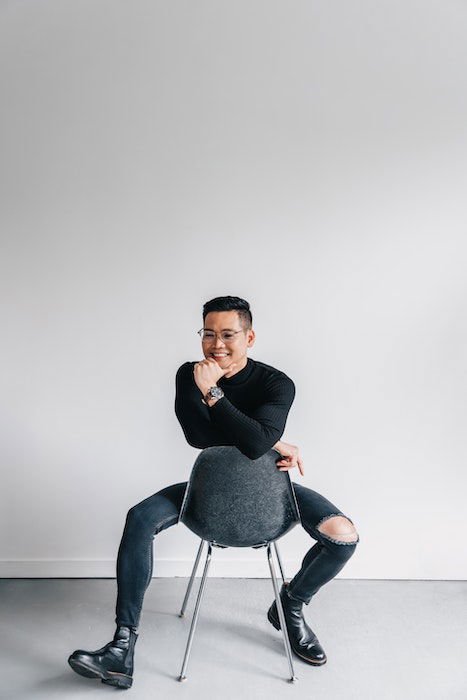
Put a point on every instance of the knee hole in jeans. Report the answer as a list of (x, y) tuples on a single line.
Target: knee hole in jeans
[(339, 528)]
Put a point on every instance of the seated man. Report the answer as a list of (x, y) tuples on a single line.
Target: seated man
[(225, 399)]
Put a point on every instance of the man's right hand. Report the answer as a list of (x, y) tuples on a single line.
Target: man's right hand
[(290, 457)]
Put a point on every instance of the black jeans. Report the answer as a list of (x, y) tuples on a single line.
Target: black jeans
[(161, 510)]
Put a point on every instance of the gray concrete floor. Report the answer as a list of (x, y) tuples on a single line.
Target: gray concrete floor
[(384, 640)]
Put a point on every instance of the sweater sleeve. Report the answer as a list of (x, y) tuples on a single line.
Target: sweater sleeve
[(192, 414), (256, 433)]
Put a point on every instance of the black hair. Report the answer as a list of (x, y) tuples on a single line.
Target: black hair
[(230, 304)]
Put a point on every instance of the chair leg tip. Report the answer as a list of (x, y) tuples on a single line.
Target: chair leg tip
[(181, 679), (293, 679)]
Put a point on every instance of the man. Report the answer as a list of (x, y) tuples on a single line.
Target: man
[(225, 399)]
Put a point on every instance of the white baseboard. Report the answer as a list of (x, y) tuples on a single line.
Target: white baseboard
[(220, 567), (81, 568)]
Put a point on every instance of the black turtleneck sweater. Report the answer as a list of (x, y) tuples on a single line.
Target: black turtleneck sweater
[(251, 415)]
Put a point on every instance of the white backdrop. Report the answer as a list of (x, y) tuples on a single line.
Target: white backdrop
[(307, 156)]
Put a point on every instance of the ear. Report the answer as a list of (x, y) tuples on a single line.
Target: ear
[(251, 338)]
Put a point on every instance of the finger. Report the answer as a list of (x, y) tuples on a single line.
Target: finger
[(300, 466)]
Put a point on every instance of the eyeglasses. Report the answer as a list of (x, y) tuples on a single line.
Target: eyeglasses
[(227, 336)]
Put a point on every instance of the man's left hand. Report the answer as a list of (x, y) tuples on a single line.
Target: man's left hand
[(290, 457)]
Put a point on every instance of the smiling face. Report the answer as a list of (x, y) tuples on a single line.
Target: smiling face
[(226, 352)]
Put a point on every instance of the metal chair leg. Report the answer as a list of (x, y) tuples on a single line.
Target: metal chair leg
[(190, 583), (280, 611), (182, 676), (281, 569)]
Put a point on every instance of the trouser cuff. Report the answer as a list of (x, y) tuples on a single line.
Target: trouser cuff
[(294, 597), (133, 628)]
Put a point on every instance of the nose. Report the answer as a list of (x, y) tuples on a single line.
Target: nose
[(219, 343)]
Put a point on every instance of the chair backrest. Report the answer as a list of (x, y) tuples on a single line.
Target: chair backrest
[(235, 501)]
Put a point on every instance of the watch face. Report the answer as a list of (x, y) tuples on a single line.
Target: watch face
[(216, 392)]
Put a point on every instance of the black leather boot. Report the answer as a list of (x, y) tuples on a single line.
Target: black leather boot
[(303, 640), (113, 664)]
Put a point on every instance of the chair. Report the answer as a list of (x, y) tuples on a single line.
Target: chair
[(233, 501)]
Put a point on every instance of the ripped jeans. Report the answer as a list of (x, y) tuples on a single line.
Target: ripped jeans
[(161, 510)]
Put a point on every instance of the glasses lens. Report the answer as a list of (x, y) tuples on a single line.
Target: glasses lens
[(226, 336)]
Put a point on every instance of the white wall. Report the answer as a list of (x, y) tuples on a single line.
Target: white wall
[(308, 156)]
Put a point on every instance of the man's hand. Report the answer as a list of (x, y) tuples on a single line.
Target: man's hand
[(290, 457), (207, 372)]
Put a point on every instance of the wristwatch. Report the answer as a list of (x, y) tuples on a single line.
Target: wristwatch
[(215, 392)]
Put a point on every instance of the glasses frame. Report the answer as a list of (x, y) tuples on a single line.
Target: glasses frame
[(216, 334)]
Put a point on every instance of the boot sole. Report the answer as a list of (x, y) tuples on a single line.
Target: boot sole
[(275, 623), (118, 680)]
